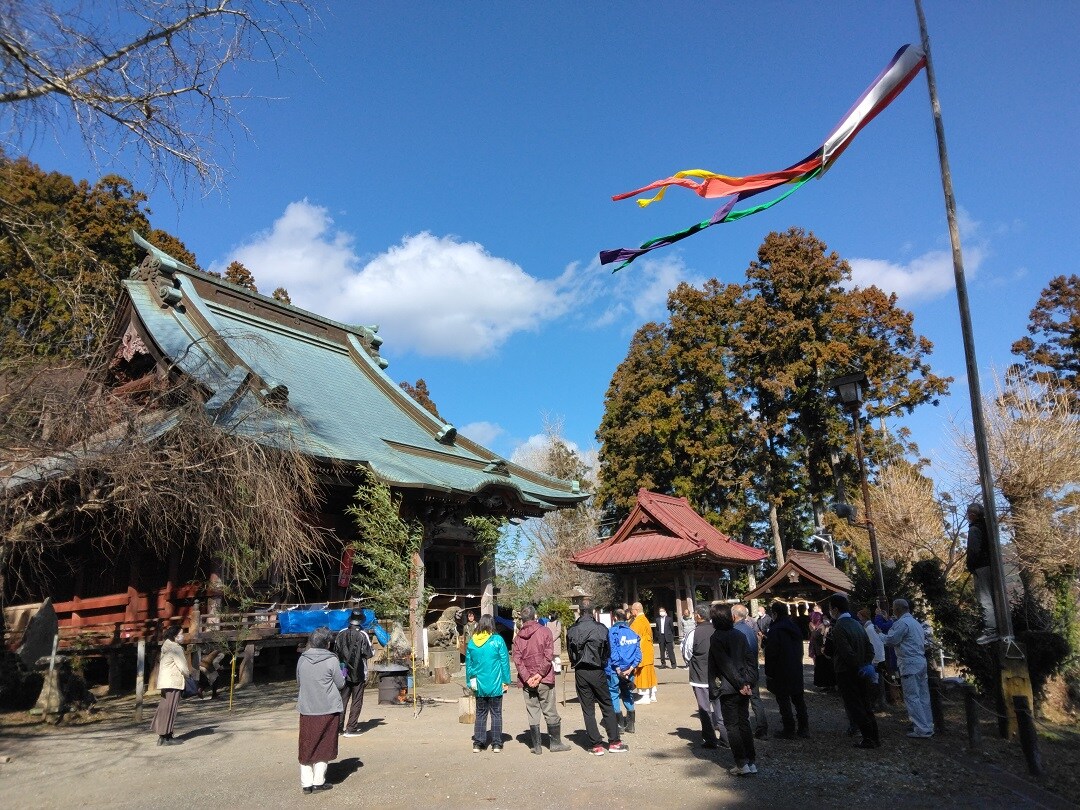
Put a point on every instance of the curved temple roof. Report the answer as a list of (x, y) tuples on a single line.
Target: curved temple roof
[(662, 529), (281, 374)]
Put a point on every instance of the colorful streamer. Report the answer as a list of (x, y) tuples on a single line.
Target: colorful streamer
[(905, 65)]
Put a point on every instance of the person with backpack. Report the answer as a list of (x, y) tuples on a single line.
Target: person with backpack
[(353, 648)]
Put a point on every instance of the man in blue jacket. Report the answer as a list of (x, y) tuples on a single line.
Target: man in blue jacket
[(625, 657)]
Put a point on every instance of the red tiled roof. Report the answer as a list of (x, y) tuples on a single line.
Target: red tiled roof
[(664, 529), (806, 572)]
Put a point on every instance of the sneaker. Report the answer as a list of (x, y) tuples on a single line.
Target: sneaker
[(740, 770), (987, 638), (753, 767), (496, 749), (918, 735), (352, 734), (476, 748), (598, 750), (618, 747)]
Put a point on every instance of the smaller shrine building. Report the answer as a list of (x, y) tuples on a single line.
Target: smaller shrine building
[(668, 548)]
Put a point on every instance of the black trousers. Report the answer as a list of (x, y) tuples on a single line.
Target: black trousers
[(736, 710), (355, 692), (855, 693), (667, 650), (592, 689), (784, 702)]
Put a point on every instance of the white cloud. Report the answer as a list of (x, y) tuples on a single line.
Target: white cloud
[(926, 276), (482, 432), (438, 296)]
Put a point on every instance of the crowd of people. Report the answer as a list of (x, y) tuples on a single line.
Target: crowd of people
[(615, 671)]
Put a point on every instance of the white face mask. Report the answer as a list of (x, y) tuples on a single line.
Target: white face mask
[(663, 613), (179, 638)]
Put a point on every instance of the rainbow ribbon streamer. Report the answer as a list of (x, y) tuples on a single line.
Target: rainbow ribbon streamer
[(905, 65)]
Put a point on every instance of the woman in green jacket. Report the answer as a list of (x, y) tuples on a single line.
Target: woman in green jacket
[(487, 672)]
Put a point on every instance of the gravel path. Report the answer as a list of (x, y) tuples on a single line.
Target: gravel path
[(248, 759)]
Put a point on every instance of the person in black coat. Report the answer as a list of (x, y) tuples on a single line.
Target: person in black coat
[(784, 671), (729, 681), (665, 638)]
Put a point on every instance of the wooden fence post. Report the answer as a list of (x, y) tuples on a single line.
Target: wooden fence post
[(1029, 738), (971, 712)]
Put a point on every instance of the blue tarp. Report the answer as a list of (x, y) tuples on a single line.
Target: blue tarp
[(304, 621)]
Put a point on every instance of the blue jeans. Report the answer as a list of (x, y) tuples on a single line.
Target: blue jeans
[(620, 689), (484, 707)]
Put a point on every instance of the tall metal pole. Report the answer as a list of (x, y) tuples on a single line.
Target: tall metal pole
[(986, 475), (883, 601)]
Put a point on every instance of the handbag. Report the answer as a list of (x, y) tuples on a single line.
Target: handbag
[(191, 686)]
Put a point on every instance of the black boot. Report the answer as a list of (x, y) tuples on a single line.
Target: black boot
[(555, 743), (628, 726), (534, 739), (621, 720)]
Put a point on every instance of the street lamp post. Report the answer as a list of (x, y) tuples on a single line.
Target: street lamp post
[(849, 388)]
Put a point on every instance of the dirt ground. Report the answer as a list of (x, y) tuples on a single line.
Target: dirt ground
[(248, 759)]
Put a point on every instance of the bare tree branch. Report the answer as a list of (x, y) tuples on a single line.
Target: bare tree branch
[(138, 75)]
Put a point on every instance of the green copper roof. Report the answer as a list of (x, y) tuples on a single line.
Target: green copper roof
[(280, 374)]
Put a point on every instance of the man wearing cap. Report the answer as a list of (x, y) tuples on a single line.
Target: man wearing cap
[(353, 648)]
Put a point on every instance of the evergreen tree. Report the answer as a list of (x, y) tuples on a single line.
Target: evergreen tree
[(236, 273), (1051, 351), (729, 405)]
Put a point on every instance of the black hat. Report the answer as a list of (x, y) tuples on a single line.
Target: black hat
[(356, 618)]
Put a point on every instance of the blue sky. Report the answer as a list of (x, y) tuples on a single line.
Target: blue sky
[(445, 170)]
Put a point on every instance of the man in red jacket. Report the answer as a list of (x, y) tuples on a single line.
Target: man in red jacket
[(532, 656)]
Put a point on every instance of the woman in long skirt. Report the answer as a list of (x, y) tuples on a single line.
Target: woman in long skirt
[(173, 668), (318, 673)]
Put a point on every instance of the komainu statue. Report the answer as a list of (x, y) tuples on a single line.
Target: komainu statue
[(443, 632)]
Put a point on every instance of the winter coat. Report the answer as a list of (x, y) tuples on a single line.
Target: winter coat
[(699, 646), (978, 549), (318, 672), (783, 658), (487, 665), (353, 648), (533, 651), (172, 666), (749, 632), (587, 643), (848, 645), (625, 648), (728, 669)]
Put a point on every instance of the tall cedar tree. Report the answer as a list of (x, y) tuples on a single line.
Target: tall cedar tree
[(422, 395), (65, 245), (1051, 350), (728, 404), (236, 273)]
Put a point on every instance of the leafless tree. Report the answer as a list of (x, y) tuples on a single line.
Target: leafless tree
[(118, 464), (547, 543), (148, 77), (913, 521)]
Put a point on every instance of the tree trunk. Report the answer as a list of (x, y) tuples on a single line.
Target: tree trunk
[(774, 524)]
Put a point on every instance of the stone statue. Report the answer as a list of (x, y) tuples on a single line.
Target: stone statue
[(443, 632)]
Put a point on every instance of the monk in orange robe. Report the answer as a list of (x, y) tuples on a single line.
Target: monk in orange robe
[(645, 674)]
